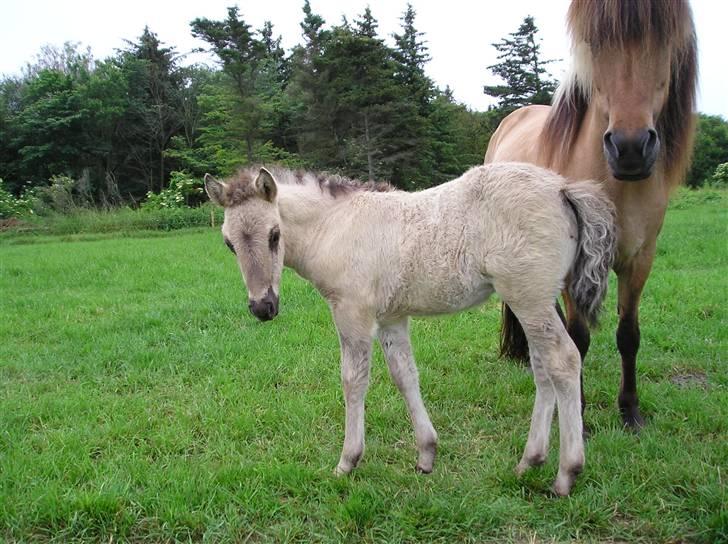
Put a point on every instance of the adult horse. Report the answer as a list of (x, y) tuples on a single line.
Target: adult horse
[(624, 115)]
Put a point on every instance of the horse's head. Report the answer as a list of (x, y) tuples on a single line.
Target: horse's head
[(252, 232), (630, 89), (636, 64)]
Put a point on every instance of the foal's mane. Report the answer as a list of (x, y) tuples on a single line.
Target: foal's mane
[(597, 25), (241, 187)]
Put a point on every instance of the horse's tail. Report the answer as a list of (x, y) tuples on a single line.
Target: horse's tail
[(589, 274)]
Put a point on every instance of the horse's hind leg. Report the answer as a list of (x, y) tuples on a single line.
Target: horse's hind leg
[(395, 342), (355, 337), (559, 358)]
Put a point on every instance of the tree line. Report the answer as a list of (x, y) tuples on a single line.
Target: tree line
[(341, 100)]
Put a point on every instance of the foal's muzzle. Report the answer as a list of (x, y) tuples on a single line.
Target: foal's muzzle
[(266, 308), (631, 156)]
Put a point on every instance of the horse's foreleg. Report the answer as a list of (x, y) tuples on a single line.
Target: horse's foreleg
[(630, 282), (355, 337), (397, 349)]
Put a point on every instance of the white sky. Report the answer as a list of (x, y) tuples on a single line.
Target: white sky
[(459, 33)]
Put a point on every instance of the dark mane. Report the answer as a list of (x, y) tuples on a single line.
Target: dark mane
[(240, 187), (617, 25)]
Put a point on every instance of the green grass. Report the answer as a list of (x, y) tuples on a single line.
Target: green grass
[(95, 224), (140, 400)]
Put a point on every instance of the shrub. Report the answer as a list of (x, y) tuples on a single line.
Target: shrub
[(11, 206), (719, 178), (182, 191)]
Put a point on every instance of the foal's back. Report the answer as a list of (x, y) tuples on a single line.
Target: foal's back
[(447, 248)]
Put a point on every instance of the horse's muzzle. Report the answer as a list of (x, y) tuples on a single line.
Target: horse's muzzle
[(631, 157), (266, 308)]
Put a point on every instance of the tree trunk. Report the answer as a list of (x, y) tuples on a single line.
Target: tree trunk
[(370, 165)]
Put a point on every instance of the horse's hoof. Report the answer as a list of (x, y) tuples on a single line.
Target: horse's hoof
[(419, 469), (633, 421)]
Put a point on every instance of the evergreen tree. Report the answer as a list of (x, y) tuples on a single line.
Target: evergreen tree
[(522, 70), (155, 113), (410, 55)]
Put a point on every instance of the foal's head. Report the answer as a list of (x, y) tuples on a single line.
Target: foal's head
[(635, 61), (252, 232)]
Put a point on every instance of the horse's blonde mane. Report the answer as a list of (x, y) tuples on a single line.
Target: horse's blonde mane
[(598, 25)]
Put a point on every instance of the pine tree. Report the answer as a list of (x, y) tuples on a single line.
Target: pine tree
[(410, 55), (525, 77)]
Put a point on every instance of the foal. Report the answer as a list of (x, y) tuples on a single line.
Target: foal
[(379, 256)]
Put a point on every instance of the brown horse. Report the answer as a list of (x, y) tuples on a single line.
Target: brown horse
[(624, 115)]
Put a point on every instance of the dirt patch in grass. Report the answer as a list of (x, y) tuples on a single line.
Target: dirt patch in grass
[(691, 378)]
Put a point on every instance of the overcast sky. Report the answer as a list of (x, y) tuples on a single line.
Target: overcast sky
[(459, 33)]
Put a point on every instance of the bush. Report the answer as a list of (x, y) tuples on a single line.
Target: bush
[(11, 206), (719, 180), (182, 191)]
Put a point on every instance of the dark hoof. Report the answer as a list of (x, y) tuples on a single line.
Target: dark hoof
[(422, 470), (633, 421)]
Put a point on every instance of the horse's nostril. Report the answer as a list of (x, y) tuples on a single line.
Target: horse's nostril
[(650, 143), (609, 144)]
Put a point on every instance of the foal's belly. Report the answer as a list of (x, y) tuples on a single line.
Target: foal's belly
[(446, 300)]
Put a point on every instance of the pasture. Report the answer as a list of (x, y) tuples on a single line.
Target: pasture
[(140, 401)]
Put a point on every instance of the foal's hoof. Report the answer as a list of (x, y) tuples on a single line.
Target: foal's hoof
[(340, 471), (561, 489), (420, 469)]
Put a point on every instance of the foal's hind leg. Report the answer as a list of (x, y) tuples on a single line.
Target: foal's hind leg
[(537, 445), (395, 342), (560, 360)]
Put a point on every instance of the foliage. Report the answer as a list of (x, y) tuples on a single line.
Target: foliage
[(10, 206), (711, 149), (342, 100), (720, 176), (522, 70), (182, 189)]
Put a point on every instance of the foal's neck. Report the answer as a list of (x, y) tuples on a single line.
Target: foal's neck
[(304, 211)]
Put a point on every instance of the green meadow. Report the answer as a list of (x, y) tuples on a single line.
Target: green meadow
[(141, 402)]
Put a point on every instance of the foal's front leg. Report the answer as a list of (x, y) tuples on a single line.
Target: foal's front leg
[(397, 349), (355, 337)]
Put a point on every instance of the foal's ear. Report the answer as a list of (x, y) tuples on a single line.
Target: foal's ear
[(266, 185), (214, 190)]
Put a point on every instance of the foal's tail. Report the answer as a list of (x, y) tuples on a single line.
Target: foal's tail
[(595, 218), (588, 277)]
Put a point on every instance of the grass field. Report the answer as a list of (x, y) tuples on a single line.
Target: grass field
[(139, 401)]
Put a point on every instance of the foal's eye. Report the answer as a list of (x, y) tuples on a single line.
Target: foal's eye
[(229, 244), (273, 238)]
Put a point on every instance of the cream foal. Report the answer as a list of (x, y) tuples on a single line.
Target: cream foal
[(379, 256)]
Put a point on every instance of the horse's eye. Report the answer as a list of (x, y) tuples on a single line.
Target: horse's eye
[(273, 238), (230, 245)]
